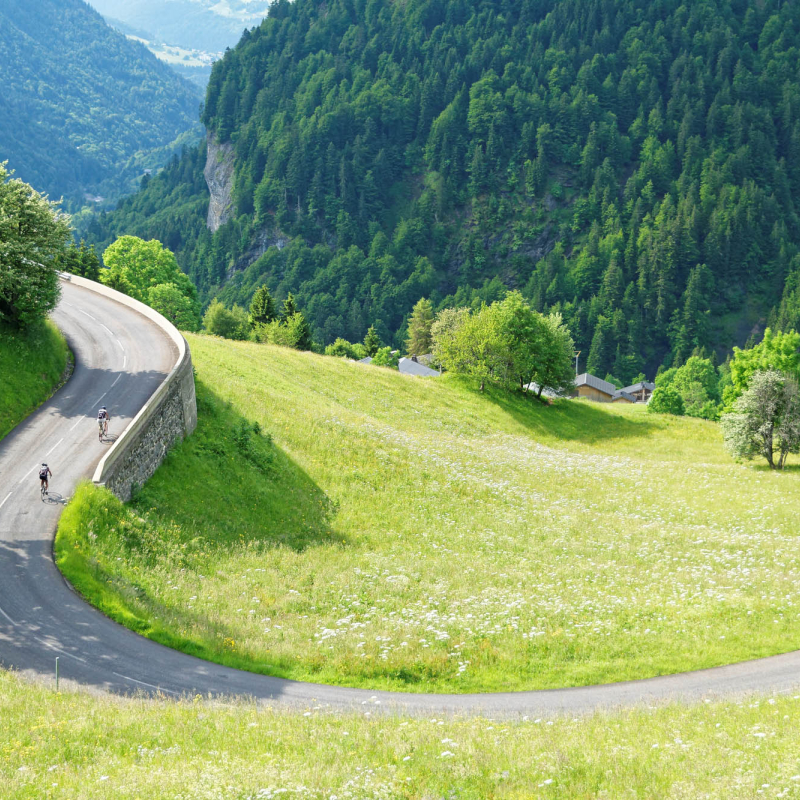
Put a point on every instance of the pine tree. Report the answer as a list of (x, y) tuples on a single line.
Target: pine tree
[(419, 341)]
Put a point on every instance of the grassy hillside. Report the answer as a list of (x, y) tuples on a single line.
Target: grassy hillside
[(387, 531), (77, 746), (31, 364)]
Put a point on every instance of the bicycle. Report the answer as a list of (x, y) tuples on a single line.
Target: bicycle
[(44, 489), (103, 425)]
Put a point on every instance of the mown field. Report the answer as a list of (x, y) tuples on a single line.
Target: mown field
[(31, 364), (385, 531), (75, 746)]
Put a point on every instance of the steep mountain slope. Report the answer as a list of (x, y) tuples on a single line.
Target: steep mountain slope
[(83, 107), (198, 24), (632, 164)]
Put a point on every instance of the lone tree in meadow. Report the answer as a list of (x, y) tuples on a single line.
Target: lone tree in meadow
[(507, 342), (419, 341), (33, 236), (765, 420)]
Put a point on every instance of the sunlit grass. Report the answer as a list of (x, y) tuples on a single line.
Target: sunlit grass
[(80, 747), (31, 364), (415, 534)]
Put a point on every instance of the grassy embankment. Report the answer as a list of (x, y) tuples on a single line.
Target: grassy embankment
[(412, 534), (31, 364), (80, 747)]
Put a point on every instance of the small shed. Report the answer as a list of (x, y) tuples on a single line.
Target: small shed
[(642, 391), (622, 396)]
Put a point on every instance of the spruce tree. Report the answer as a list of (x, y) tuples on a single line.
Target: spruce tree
[(419, 328), (262, 307), (372, 342), (289, 307)]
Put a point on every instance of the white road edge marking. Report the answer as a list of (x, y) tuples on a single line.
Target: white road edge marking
[(115, 338), (124, 362), (25, 476), (13, 622), (142, 683), (78, 423), (53, 448), (57, 649), (115, 382), (1, 505), (88, 315), (36, 466), (99, 398)]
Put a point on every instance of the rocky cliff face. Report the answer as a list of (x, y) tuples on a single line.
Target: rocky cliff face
[(219, 177)]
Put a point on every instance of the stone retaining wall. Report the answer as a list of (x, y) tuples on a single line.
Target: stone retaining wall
[(167, 417)]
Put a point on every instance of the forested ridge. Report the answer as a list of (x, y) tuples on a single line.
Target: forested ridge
[(630, 164), (83, 107)]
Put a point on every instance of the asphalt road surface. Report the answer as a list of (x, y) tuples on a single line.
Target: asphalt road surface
[(121, 357)]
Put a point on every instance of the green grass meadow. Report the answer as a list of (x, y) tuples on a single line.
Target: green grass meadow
[(31, 365), (73, 745), (346, 524)]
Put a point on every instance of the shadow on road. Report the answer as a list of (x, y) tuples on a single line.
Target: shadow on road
[(54, 499)]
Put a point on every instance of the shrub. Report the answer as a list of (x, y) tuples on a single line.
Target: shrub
[(666, 400), (341, 348), (385, 358), (228, 323)]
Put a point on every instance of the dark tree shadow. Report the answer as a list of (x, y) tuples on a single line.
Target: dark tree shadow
[(568, 419)]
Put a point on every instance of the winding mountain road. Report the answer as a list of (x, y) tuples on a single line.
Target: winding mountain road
[(121, 358)]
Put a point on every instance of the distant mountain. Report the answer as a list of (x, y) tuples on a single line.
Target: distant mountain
[(208, 25), (85, 111)]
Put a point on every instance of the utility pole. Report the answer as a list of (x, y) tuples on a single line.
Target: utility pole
[(577, 353)]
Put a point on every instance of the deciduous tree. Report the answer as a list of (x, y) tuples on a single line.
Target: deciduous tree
[(135, 266), (765, 420), (776, 351), (33, 235)]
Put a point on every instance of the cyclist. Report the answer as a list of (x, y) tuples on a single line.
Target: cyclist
[(44, 474), (102, 421)]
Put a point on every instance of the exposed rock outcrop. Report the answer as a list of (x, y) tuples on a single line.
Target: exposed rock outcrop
[(219, 177)]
